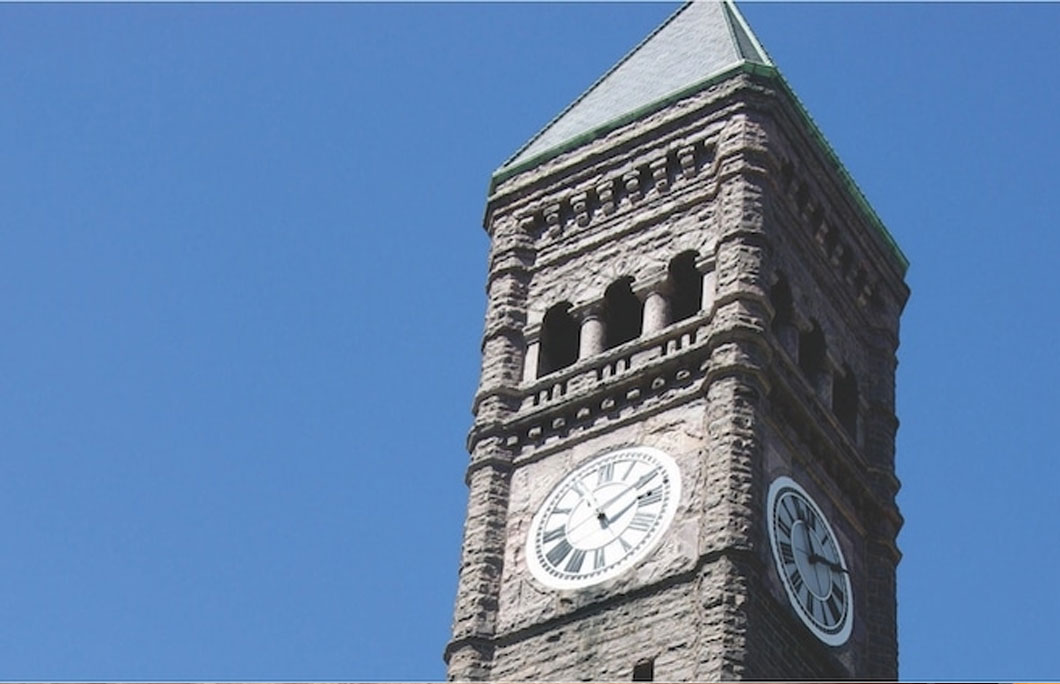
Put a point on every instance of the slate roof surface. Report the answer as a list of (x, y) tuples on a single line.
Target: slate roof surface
[(702, 39)]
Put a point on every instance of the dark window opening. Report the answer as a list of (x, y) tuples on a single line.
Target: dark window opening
[(845, 401), (623, 313), (559, 340), (687, 285), (644, 671), (783, 306), (812, 353), (783, 315)]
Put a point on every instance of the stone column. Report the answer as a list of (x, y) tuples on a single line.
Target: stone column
[(736, 390), (710, 288), (530, 361), (593, 333), (469, 654), (656, 312)]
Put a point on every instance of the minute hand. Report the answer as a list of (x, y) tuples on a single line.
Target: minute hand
[(636, 485)]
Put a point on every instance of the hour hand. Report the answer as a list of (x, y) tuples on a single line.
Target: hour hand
[(815, 558), (587, 494)]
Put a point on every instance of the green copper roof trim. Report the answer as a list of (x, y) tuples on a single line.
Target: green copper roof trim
[(770, 72), (749, 40), (700, 39), (851, 184), (504, 173)]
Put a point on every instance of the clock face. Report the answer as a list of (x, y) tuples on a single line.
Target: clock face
[(603, 517), (810, 562)]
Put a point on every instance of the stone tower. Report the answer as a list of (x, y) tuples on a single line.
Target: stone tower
[(682, 457)]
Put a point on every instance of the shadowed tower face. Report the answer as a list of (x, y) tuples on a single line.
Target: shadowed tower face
[(682, 459)]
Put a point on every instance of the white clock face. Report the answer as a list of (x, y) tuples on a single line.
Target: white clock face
[(810, 562), (603, 517)]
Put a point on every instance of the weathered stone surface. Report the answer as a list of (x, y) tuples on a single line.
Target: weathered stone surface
[(729, 173)]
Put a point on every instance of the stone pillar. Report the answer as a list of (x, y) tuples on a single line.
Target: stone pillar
[(593, 333), (736, 390), (710, 288), (788, 336), (656, 312), (469, 654), (530, 361)]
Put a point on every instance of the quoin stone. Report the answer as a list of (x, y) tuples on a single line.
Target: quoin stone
[(685, 420)]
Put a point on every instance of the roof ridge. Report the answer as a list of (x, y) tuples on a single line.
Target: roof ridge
[(701, 39), (625, 58), (737, 21)]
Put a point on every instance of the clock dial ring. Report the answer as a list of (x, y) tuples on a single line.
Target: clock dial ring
[(603, 517), (809, 562)]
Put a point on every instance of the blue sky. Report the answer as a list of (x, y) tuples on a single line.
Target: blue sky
[(241, 290)]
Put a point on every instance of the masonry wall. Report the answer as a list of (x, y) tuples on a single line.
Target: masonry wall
[(729, 175)]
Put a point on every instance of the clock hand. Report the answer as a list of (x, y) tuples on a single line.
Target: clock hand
[(815, 558), (599, 516), (591, 498), (809, 542), (812, 550), (600, 510), (625, 508), (626, 490)]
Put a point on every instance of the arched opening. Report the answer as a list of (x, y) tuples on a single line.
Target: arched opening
[(812, 353), (623, 313), (783, 315), (644, 671), (686, 284), (845, 401), (559, 340)]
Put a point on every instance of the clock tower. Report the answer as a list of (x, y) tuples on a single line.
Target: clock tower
[(682, 456)]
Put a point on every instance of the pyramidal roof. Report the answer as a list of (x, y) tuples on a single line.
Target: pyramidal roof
[(703, 39)]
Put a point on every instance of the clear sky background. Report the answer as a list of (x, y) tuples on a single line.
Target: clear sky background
[(241, 293)]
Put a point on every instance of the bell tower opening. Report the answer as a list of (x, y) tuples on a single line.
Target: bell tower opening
[(623, 313), (559, 340), (687, 286)]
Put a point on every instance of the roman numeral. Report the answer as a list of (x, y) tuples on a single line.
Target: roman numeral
[(796, 582), (560, 511), (800, 511), (786, 553), (837, 590), (641, 522), (649, 497), (552, 535), (814, 607), (558, 552), (629, 470), (833, 610), (625, 544), (811, 522), (606, 473), (785, 528), (786, 505), (575, 562), (598, 558)]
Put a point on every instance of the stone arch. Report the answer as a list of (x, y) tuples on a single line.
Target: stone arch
[(623, 313), (812, 353), (845, 400), (685, 285), (559, 339)]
